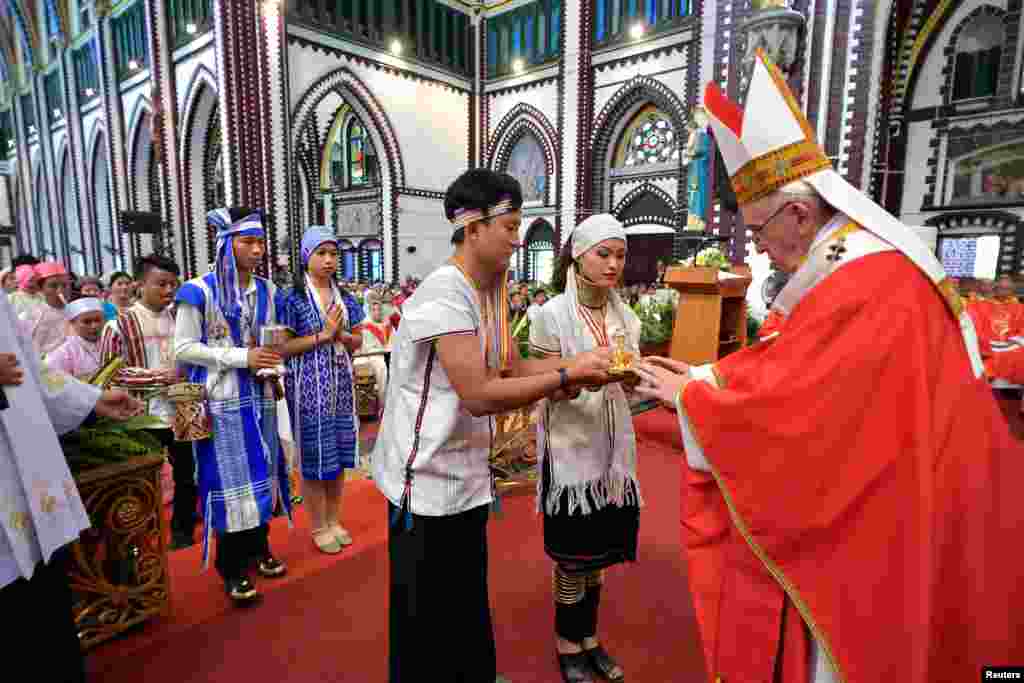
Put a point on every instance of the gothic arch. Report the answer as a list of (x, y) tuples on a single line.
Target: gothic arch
[(612, 121), (141, 114), (307, 143), (143, 176), (97, 152), (525, 119), (919, 38), (631, 213), (200, 119), (954, 40)]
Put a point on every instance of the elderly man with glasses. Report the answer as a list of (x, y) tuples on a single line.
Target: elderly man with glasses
[(850, 482)]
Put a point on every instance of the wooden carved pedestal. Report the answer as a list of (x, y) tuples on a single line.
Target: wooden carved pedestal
[(514, 459), (119, 572), (367, 398)]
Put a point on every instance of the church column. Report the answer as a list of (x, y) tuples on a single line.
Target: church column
[(76, 148), (273, 91), (250, 139), (44, 120), (584, 107), (574, 41), (164, 94), (23, 178), (113, 115)]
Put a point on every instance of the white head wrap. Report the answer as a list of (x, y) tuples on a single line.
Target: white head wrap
[(586, 236), (79, 307)]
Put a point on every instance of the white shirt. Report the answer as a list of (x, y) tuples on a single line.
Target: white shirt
[(424, 421), (218, 354)]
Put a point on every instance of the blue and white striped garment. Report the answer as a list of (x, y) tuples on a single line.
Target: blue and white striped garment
[(241, 470), (321, 395)]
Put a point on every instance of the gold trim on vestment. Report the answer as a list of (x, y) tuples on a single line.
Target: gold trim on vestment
[(952, 296), (719, 377), (762, 176)]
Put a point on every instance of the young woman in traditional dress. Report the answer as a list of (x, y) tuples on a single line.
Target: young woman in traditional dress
[(588, 491), (321, 398)]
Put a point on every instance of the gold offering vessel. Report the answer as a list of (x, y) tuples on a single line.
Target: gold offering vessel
[(622, 360)]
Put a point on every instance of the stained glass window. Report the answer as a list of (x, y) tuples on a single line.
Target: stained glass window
[(356, 154), (649, 139)]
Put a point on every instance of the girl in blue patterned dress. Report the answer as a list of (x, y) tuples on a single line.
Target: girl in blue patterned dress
[(324, 320)]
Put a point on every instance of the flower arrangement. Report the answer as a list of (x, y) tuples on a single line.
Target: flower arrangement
[(711, 257), (656, 321)]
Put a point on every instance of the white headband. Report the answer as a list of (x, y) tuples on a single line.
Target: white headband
[(594, 230), (79, 307)]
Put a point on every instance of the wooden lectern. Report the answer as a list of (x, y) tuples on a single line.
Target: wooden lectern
[(711, 318)]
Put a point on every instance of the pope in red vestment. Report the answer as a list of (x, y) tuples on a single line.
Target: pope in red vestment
[(851, 505)]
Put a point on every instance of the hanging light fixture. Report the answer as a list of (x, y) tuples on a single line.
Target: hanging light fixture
[(637, 32), (396, 47)]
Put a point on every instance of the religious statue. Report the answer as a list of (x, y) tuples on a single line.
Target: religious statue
[(698, 161)]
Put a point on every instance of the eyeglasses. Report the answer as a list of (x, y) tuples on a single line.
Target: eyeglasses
[(755, 230)]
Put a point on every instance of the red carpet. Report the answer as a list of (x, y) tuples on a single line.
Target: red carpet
[(327, 619)]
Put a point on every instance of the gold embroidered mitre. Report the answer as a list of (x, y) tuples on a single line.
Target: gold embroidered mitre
[(770, 144)]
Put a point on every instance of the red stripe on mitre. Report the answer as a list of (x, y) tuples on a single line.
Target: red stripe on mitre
[(723, 109)]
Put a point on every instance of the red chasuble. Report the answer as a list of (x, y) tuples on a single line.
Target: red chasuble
[(772, 324), (988, 330), (865, 489)]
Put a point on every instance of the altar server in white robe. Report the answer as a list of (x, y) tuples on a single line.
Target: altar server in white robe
[(41, 512)]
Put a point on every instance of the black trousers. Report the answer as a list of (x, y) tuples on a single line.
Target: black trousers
[(186, 493), (40, 617), (440, 616), (238, 550)]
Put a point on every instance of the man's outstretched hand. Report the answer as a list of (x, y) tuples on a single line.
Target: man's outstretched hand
[(662, 379), (118, 405)]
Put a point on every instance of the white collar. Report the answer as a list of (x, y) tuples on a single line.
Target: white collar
[(817, 266)]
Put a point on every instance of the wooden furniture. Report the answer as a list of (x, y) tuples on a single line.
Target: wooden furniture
[(711, 318), (119, 572), (514, 456), (367, 398)]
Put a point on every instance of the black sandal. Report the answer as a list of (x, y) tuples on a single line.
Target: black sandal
[(575, 667), (604, 664)]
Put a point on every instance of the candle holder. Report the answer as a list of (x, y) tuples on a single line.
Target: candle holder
[(274, 337)]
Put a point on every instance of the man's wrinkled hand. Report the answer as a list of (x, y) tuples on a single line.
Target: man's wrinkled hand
[(11, 374), (676, 366), (660, 383), (118, 405)]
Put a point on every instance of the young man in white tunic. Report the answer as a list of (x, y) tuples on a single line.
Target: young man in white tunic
[(143, 335), (453, 366), (41, 512)]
